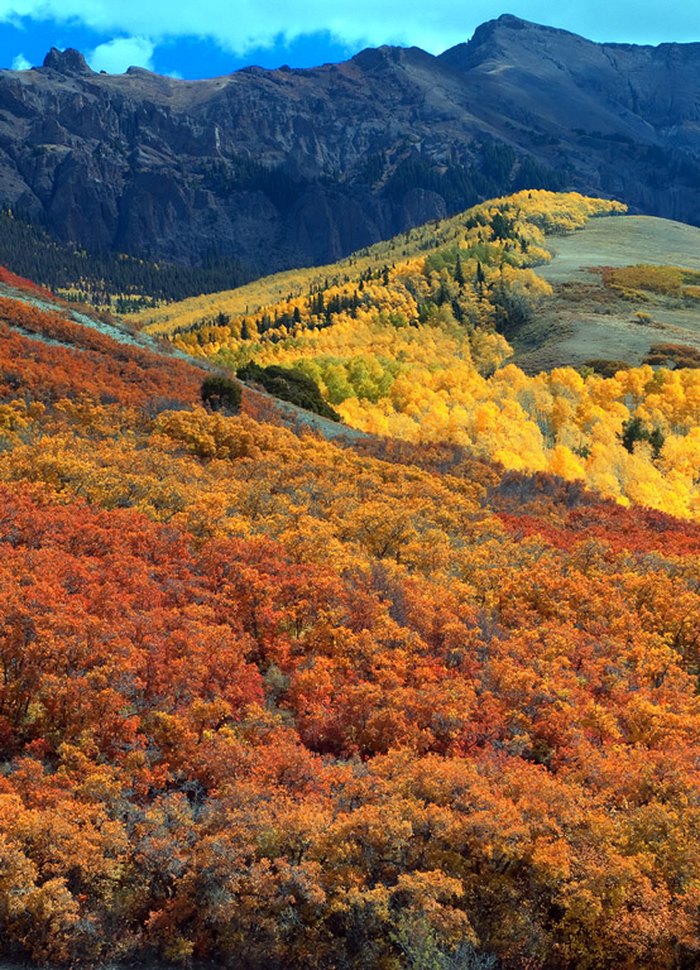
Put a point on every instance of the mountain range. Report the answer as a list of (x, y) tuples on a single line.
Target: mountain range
[(283, 168)]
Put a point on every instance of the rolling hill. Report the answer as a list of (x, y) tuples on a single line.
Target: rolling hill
[(588, 318), (422, 339)]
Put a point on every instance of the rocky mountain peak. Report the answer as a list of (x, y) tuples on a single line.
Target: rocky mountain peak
[(511, 34), (515, 23), (69, 61)]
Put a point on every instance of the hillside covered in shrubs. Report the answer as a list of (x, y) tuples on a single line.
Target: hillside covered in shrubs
[(272, 701)]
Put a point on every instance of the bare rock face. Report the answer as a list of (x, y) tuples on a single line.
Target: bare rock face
[(69, 61), (292, 167)]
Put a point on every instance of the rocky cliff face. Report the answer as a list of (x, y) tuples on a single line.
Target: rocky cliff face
[(290, 167)]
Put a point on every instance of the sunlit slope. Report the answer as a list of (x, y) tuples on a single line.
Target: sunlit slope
[(421, 347), (545, 212), (626, 322), (622, 242), (273, 701)]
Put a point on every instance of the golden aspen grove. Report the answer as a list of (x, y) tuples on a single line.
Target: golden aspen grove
[(409, 340), (415, 688)]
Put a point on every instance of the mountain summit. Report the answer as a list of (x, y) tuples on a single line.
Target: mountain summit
[(291, 167), (69, 61)]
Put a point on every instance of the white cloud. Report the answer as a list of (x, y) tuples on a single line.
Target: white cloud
[(239, 25), (116, 55), (20, 63)]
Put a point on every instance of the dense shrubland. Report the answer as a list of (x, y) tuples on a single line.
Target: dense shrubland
[(271, 702)]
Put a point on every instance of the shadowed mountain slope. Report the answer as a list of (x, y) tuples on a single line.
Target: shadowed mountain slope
[(295, 167)]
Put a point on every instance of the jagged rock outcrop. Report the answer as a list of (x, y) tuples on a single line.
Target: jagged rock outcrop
[(290, 167), (66, 62)]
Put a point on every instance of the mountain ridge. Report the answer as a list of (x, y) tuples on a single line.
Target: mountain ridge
[(291, 167)]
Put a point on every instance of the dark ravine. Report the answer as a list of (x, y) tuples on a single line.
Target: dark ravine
[(291, 167)]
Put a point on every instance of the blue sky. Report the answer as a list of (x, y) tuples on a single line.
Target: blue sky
[(203, 38)]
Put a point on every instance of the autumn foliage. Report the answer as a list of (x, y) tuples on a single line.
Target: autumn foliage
[(268, 700), (15, 282), (410, 340)]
